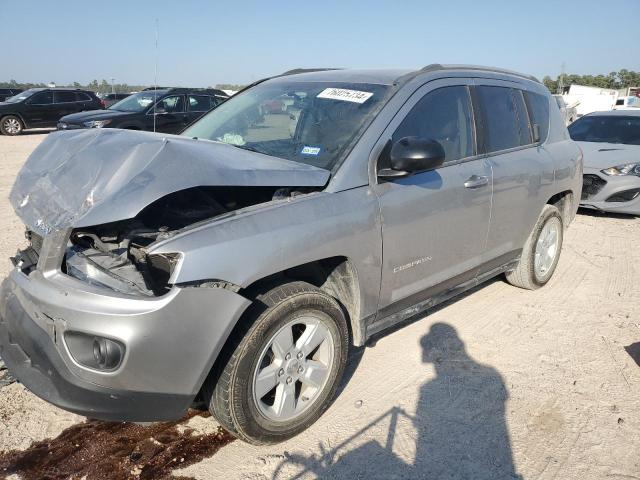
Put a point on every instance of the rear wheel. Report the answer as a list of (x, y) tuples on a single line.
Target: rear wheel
[(541, 252), (283, 372), (11, 125)]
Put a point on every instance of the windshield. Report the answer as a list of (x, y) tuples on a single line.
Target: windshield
[(138, 102), (22, 95), (607, 129), (307, 122)]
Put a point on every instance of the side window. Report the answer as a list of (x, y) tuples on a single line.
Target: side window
[(199, 103), (523, 118), (173, 104), (64, 97), (444, 115), (82, 97), (502, 129), (42, 98), (539, 111), (215, 101)]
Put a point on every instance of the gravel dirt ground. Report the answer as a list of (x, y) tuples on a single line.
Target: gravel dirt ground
[(541, 385)]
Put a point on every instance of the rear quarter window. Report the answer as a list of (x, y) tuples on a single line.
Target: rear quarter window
[(538, 106)]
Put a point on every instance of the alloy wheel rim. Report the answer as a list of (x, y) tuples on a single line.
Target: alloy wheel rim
[(11, 125), (547, 248), (293, 368)]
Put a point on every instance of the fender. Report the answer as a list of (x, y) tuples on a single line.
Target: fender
[(251, 245)]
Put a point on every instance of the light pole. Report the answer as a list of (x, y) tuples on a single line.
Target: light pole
[(112, 85)]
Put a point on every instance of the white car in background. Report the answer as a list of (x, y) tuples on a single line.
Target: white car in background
[(610, 142)]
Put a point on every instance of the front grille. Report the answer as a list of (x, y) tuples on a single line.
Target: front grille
[(591, 185), (625, 196)]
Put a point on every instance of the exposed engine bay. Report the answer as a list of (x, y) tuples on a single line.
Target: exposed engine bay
[(115, 255)]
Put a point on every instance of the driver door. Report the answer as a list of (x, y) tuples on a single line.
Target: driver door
[(434, 223), (39, 109)]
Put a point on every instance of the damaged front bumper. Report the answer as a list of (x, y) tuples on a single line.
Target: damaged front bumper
[(169, 343), (610, 193)]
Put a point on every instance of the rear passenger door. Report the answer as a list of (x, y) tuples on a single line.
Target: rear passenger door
[(64, 104), (197, 105), (522, 169), (434, 223)]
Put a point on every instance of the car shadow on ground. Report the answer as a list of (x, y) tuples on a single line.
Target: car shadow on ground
[(634, 352), (459, 423), (588, 212)]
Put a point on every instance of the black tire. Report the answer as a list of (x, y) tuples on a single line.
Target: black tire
[(524, 275), (229, 391), (11, 125)]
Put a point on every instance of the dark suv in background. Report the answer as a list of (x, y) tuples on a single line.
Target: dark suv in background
[(166, 110), (43, 107), (8, 92)]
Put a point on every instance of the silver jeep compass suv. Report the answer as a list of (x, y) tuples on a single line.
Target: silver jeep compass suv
[(238, 261)]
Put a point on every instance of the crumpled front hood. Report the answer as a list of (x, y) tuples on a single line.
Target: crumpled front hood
[(95, 176), (605, 155)]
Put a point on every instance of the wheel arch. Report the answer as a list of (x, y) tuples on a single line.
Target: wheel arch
[(15, 114), (336, 276), (565, 202)]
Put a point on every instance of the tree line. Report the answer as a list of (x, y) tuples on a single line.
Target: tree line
[(616, 80), (620, 79), (101, 87)]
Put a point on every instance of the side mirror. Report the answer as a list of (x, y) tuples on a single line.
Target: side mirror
[(159, 110), (413, 154)]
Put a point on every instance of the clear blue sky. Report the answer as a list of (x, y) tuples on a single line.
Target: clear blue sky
[(203, 43)]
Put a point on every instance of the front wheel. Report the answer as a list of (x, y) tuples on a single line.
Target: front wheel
[(11, 125), (541, 251), (284, 371)]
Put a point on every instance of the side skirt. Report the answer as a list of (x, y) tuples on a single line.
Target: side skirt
[(393, 319)]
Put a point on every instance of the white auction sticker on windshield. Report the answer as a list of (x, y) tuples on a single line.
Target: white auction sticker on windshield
[(345, 95)]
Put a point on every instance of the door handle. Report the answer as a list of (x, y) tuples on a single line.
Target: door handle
[(476, 181)]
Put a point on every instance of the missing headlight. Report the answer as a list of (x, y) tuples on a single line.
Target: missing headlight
[(160, 267)]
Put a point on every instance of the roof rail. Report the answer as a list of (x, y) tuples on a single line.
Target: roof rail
[(308, 70), (438, 66)]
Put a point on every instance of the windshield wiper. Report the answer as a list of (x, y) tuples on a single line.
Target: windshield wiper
[(247, 147)]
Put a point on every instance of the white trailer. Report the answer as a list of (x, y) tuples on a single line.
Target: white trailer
[(591, 99)]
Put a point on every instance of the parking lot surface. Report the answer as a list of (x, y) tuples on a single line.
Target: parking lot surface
[(545, 383)]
